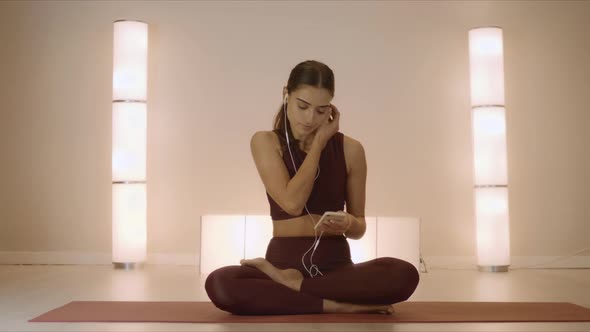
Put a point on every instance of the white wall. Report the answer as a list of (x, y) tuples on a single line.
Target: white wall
[(216, 72)]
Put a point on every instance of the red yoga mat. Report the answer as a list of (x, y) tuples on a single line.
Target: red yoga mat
[(405, 312)]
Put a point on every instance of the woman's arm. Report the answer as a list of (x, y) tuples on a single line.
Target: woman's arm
[(289, 193), (356, 187), (357, 228)]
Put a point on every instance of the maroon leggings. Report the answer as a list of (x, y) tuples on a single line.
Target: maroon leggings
[(245, 290)]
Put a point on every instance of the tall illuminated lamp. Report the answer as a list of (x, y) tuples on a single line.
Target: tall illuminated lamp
[(488, 119), (129, 144)]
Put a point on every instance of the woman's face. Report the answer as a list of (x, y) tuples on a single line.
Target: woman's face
[(307, 108)]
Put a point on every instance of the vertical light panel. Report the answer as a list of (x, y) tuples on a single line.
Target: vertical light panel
[(493, 237), (365, 248), (129, 231), (129, 143), (222, 241), (489, 145), (399, 237), (130, 60), (488, 115), (257, 236), (226, 239), (486, 64)]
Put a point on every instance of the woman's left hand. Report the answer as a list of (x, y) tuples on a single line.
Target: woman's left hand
[(336, 225)]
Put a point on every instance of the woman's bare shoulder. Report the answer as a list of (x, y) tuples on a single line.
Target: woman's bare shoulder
[(353, 151), (351, 144), (269, 137)]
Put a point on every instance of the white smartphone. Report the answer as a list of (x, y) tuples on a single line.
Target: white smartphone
[(327, 214)]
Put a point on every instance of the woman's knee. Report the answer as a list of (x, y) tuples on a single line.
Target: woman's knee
[(220, 290), (412, 278), (403, 276)]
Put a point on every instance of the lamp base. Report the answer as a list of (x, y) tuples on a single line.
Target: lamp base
[(493, 268), (128, 266)]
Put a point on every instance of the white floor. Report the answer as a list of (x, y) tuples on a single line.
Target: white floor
[(27, 291)]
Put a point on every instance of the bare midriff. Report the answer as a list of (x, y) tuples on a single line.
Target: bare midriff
[(297, 226)]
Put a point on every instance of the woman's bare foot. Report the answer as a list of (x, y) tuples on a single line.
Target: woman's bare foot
[(291, 278), (342, 307)]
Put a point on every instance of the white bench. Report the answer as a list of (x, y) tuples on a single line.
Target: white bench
[(225, 239)]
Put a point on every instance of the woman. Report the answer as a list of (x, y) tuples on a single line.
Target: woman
[(309, 167)]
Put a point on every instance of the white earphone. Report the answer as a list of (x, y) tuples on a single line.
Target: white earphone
[(315, 244)]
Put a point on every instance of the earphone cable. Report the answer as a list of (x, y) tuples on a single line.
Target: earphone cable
[(316, 241)]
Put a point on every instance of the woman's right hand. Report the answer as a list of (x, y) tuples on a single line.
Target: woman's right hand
[(328, 128)]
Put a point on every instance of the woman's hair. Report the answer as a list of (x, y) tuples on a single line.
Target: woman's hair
[(310, 72)]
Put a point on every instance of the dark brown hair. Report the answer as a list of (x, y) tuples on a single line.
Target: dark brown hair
[(312, 73)]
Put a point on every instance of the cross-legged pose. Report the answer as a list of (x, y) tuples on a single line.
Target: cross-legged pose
[(308, 167)]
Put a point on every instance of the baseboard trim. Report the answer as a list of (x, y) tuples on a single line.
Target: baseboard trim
[(516, 262), (432, 262), (88, 258)]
